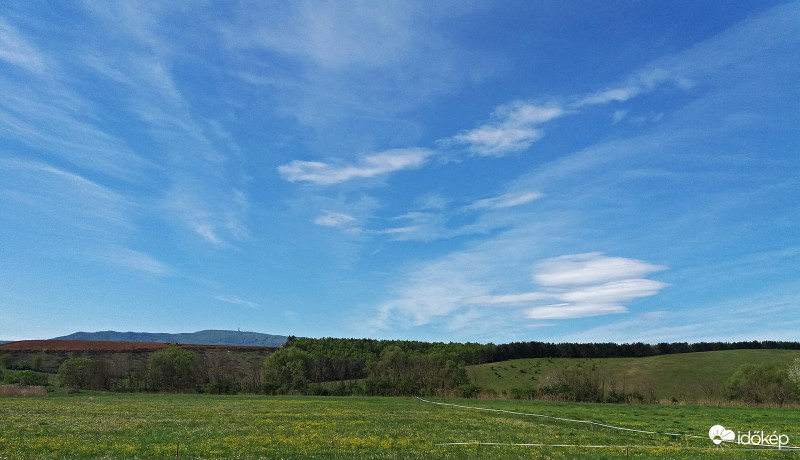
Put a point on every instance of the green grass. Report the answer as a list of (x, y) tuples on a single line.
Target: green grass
[(685, 377), (118, 426)]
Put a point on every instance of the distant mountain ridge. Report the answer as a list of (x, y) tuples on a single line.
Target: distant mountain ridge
[(207, 337)]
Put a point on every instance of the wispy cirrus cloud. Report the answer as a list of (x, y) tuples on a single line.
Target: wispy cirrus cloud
[(83, 215), (642, 82), (236, 300), (16, 50), (335, 219), (342, 221), (455, 292), (70, 203), (514, 127), (433, 219), (368, 166), (134, 260), (506, 200)]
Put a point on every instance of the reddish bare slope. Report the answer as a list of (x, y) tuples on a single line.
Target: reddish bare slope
[(86, 345)]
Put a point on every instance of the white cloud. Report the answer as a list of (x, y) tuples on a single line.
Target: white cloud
[(421, 226), (134, 260), (572, 311), (506, 200), (616, 291), (338, 220), (330, 34), (68, 203), (335, 219), (589, 268), (430, 292), (235, 300), (514, 128), (642, 82), (590, 284), (369, 166), (432, 201), (218, 218), (16, 50), (509, 299)]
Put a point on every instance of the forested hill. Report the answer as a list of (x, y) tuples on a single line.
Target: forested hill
[(208, 337)]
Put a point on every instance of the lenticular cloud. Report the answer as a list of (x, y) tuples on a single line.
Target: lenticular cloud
[(581, 285), (589, 268), (592, 284)]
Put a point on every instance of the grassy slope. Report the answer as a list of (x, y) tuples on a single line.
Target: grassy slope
[(682, 376), (152, 426)]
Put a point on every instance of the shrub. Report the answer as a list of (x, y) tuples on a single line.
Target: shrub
[(11, 378), (173, 368), (523, 393), (759, 384), (468, 390), (31, 378), (76, 372), (575, 384), (222, 387)]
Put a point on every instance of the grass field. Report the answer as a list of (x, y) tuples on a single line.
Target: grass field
[(685, 376), (201, 426)]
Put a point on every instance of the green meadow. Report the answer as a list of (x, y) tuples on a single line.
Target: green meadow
[(685, 377), (130, 426)]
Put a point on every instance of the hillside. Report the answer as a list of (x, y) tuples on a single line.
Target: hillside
[(124, 366), (207, 337), (685, 376)]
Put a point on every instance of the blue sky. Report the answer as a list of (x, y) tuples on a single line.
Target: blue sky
[(447, 171)]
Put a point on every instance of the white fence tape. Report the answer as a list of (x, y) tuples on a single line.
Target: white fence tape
[(588, 422)]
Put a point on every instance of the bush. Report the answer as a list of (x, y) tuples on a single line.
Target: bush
[(25, 378), (523, 393), (5, 361), (581, 385), (315, 389), (173, 368), (11, 378), (760, 384), (76, 372), (468, 390), (222, 387), (285, 371), (31, 378)]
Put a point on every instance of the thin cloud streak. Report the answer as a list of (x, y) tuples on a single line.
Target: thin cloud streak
[(507, 200), (134, 260), (368, 166), (235, 300), (514, 128), (16, 50)]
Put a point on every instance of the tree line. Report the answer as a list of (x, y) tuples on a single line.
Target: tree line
[(520, 350), (331, 366)]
